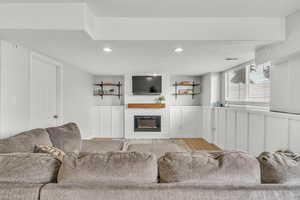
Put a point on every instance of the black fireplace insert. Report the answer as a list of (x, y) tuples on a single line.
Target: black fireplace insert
[(148, 123)]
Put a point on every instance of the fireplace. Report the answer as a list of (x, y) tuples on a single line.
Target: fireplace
[(147, 123)]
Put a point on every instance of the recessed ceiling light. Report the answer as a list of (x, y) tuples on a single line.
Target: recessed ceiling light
[(178, 50), (231, 59), (107, 49)]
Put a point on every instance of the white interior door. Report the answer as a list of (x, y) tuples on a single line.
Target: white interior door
[(44, 112)]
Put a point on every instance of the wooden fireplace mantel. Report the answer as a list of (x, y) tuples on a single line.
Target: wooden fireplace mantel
[(146, 105)]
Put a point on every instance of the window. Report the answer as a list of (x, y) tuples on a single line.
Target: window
[(236, 84), (248, 84)]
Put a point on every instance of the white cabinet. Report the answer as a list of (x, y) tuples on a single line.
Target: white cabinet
[(185, 122), (108, 121)]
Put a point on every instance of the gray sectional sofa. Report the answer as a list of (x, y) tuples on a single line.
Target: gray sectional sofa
[(96, 170)]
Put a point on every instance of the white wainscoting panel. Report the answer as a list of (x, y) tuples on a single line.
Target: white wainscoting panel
[(208, 124), (117, 117), (108, 121), (192, 122), (277, 136), (220, 130), (105, 121), (185, 121), (242, 131), (230, 130), (175, 122), (294, 137), (256, 131)]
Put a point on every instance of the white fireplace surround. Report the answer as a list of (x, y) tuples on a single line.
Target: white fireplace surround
[(130, 113), (129, 123)]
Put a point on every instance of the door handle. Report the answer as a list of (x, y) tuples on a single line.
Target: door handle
[(55, 116)]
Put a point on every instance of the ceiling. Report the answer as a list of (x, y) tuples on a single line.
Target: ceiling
[(78, 49), (193, 8), (185, 8), (199, 57)]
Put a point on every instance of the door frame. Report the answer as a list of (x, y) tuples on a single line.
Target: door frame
[(59, 84)]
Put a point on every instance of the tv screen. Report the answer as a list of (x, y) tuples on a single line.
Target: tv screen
[(146, 85)]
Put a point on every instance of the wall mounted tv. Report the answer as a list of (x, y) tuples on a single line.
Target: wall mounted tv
[(146, 85)]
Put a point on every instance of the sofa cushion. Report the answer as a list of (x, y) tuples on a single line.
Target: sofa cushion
[(108, 167), (279, 167), (209, 167), (20, 191), (100, 146), (28, 168), (158, 149), (25, 141), (66, 137)]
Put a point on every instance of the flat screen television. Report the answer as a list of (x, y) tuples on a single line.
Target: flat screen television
[(146, 85)]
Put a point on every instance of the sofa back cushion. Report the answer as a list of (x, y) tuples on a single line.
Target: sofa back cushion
[(28, 168), (25, 141), (66, 137), (124, 167), (209, 167), (279, 167)]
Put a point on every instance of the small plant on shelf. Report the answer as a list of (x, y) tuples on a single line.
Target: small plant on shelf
[(160, 100)]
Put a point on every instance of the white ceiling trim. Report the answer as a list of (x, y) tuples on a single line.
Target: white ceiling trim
[(281, 51), (243, 29), (77, 16)]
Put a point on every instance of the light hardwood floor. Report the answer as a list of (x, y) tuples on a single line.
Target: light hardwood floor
[(195, 144)]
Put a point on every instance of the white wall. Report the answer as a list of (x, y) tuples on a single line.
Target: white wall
[(285, 86), (210, 89), (78, 98), (15, 92), (223, 89), (215, 95), (205, 89)]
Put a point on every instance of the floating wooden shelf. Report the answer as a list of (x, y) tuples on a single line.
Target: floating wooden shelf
[(108, 95), (186, 94), (108, 84), (178, 84), (146, 105)]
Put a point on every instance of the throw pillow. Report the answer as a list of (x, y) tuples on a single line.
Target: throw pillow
[(279, 167), (55, 152), (66, 137)]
